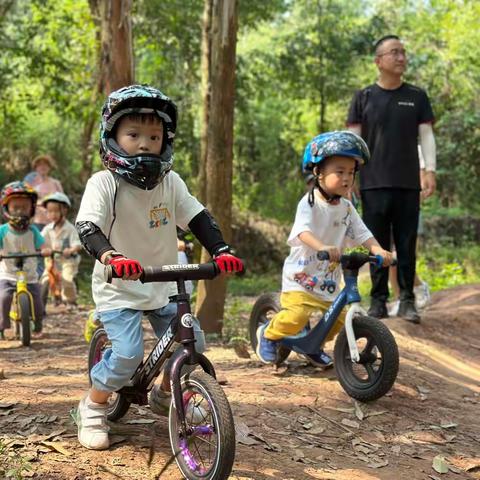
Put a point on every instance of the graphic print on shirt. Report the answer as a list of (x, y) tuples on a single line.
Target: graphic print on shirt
[(159, 216), (323, 279), (347, 221)]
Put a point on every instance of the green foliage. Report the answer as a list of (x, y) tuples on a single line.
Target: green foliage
[(12, 465)]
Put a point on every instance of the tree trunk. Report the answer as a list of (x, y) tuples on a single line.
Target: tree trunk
[(206, 95), (116, 61), (219, 148), (115, 66)]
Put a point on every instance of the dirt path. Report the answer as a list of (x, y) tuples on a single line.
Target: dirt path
[(301, 424)]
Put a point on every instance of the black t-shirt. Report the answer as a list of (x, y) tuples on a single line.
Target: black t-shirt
[(389, 120)]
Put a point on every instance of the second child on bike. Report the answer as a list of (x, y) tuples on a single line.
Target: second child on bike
[(325, 220), (61, 235), (18, 201), (128, 218)]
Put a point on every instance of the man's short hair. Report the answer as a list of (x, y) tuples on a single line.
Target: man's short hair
[(382, 40)]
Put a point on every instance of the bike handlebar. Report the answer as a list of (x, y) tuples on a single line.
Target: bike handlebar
[(172, 273), (20, 255), (356, 259)]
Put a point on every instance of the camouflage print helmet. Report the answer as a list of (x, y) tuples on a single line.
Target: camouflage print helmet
[(145, 170), (342, 143), (18, 189)]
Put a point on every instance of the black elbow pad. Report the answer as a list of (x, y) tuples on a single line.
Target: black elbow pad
[(206, 229), (93, 239)]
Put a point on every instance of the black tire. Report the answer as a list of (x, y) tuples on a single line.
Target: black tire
[(374, 375), (264, 308), (25, 315), (216, 424), (44, 293), (118, 405)]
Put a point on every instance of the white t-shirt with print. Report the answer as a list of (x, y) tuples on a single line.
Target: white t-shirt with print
[(338, 225), (12, 242), (59, 239), (141, 224)]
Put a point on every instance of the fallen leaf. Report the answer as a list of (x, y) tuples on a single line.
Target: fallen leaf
[(57, 446), (46, 391), (350, 423), (380, 464), (114, 439), (422, 389), (446, 424), (343, 410), (358, 411), (140, 421), (375, 413), (439, 464)]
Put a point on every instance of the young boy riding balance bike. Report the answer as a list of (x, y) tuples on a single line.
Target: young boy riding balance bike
[(128, 217), (325, 220)]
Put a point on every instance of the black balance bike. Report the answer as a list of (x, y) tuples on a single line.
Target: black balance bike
[(203, 444)]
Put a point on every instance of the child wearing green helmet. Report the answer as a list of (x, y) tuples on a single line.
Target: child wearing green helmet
[(128, 217), (325, 220)]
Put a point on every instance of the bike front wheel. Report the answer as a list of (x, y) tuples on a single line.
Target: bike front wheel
[(207, 450), (118, 405), (25, 317), (375, 373)]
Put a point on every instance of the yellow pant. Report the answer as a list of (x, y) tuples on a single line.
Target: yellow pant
[(297, 307)]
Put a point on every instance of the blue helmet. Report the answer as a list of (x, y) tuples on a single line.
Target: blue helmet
[(343, 143), (146, 170)]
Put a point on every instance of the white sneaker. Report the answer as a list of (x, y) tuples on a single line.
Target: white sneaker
[(92, 424), (160, 401), (393, 308), (422, 295)]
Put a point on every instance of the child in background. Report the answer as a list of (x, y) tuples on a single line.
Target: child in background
[(61, 235), (325, 220), (18, 201)]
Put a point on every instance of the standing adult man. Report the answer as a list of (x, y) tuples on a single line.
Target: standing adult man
[(394, 117)]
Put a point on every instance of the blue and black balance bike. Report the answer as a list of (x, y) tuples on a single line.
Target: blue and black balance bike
[(365, 354)]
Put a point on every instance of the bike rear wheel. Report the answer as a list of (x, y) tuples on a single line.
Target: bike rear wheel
[(118, 405), (376, 372), (25, 318), (208, 450), (266, 306)]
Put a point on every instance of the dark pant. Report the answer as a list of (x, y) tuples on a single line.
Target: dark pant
[(40, 260), (388, 211), (7, 289)]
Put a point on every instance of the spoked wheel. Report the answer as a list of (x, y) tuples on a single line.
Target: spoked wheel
[(375, 373), (25, 317), (118, 405), (263, 310), (207, 451)]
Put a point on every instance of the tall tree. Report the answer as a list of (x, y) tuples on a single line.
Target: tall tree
[(116, 60), (219, 74)]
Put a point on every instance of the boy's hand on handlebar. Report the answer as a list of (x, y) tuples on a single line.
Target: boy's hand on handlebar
[(228, 263), (126, 268), (385, 254), (68, 252), (46, 252), (333, 252)]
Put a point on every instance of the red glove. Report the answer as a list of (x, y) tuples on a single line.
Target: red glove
[(228, 263), (125, 266)]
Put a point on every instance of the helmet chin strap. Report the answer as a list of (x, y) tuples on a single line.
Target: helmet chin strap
[(328, 198)]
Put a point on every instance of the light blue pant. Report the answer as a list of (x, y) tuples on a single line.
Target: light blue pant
[(124, 330)]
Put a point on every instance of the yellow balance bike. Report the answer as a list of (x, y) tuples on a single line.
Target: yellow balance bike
[(22, 312)]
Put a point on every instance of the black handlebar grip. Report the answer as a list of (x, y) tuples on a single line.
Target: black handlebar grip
[(323, 255)]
